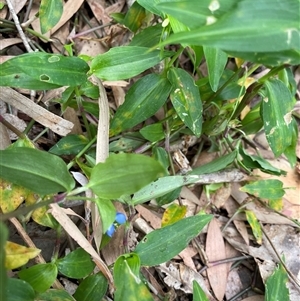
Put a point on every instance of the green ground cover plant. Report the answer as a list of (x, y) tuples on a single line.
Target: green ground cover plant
[(137, 166)]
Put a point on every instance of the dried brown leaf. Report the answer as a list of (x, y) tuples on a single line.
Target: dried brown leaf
[(215, 250)]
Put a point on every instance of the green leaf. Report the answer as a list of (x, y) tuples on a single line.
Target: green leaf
[(216, 61), (277, 109), (18, 290), (198, 293), (149, 37), (186, 99), (40, 276), (255, 226), (47, 71), (36, 170), (252, 162), (163, 244), (50, 13), (92, 288), (216, 165), (276, 286), (134, 17), (265, 189), (256, 29), (125, 62), (69, 145), (153, 132), (158, 188), (3, 275), (151, 5), (55, 295), (129, 285), (77, 264), (123, 174), (107, 212), (142, 101)]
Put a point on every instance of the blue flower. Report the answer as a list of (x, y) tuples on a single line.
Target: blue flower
[(119, 219), (111, 230)]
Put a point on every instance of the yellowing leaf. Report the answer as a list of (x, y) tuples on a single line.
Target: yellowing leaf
[(11, 196), (173, 214), (17, 255), (255, 226)]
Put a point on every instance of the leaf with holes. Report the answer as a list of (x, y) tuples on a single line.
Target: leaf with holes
[(186, 99), (39, 70)]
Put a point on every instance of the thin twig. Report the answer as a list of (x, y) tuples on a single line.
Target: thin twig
[(18, 26)]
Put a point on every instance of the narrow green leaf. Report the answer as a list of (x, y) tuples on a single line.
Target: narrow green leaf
[(255, 226), (40, 276), (142, 101), (265, 189), (129, 285), (163, 244), (3, 275), (277, 116), (259, 29), (252, 162), (125, 62), (50, 13), (92, 288), (151, 5), (276, 286), (134, 17), (69, 145), (107, 212), (47, 70), (198, 293), (158, 188), (18, 290), (36, 170), (186, 99), (77, 264), (215, 165), (123, 174), (149, 37), (55, 295), (216, 61)]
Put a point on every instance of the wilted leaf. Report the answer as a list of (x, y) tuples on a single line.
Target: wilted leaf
[(215, 250), (255, 226), (17, 255), (173, 214)]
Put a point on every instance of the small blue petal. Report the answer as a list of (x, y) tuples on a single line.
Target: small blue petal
[(111, 230), (120, 218)]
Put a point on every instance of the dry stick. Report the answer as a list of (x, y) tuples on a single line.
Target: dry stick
[(39, 258), (291, 275), (18, 26)]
